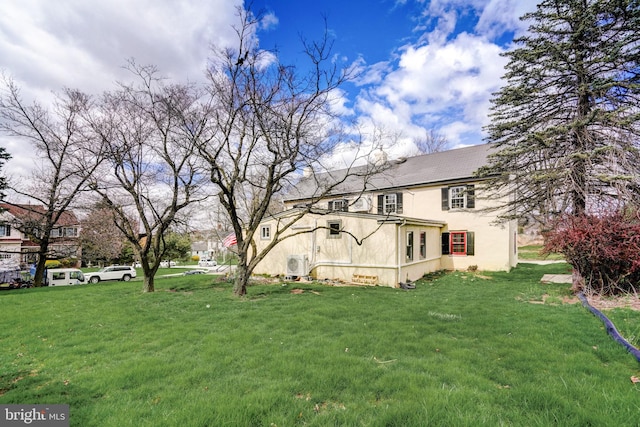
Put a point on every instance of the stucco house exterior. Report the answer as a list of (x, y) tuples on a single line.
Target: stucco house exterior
[(16, 249), (421, 214)]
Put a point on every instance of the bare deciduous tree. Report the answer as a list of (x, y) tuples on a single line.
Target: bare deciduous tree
[(266, 124), (61, 156), (431, 141), (151, 172)]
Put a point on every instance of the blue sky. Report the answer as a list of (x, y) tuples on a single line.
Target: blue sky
[(425, 64)]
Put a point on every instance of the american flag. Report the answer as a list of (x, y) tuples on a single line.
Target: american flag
[(230, 240)]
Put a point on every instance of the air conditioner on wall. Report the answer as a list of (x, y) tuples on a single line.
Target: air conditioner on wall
[(363, 204), (297, 265)]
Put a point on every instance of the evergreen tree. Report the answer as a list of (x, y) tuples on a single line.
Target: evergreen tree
[(566, 123)]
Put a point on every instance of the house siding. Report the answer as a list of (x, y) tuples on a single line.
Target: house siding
[(420, 187), (380, 255), (494, 243)]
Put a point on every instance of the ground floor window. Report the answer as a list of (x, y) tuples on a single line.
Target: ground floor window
[(409, 245), (458, 243), (334, 228)]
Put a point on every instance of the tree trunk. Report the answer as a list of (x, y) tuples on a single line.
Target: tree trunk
[(38, 280), (242, 280), (148, 284)]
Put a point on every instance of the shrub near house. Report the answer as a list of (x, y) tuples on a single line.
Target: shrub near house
[(604, 250)]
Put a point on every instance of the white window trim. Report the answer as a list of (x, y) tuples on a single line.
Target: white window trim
[(459, 195), (265, 232), (390, 203), (410, 246)]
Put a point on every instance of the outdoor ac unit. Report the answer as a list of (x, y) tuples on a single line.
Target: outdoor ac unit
[(363, 204), (297, 265)]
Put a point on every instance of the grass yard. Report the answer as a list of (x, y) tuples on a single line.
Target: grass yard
[(460, 350), (532, 252)]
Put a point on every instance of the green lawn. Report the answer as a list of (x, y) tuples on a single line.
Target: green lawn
[(460, 350), (533, 252)]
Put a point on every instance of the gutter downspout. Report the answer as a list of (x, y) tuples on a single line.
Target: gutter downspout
[(398, 240)]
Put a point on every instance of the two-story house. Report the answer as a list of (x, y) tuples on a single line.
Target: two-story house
[(17, 249), (421, 214)]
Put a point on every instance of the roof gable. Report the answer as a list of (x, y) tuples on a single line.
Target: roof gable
[(35, 213)]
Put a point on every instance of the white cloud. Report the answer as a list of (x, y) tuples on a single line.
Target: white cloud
[(84, 44), (48, 45), (269, 21), (445, 80), (499, 16), (437, 84)]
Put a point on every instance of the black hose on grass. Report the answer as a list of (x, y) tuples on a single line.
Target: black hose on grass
[(611, 329)]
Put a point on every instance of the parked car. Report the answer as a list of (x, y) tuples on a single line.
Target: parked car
[(207, 263), (113, 272), (64, 276), (166, 264)]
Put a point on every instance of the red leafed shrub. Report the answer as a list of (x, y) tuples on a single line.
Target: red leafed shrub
[(604, 251)]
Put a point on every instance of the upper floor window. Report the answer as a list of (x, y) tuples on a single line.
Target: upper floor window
[(458, 197), (64, 232), (390, 203), (339, 205), (265, 232), (5, 230)]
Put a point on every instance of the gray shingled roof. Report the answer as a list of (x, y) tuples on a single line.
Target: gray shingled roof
[(445, 166)]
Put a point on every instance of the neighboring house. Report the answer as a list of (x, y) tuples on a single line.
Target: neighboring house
[(421, 214), (209, 245), (17, 249), (201, 250)]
